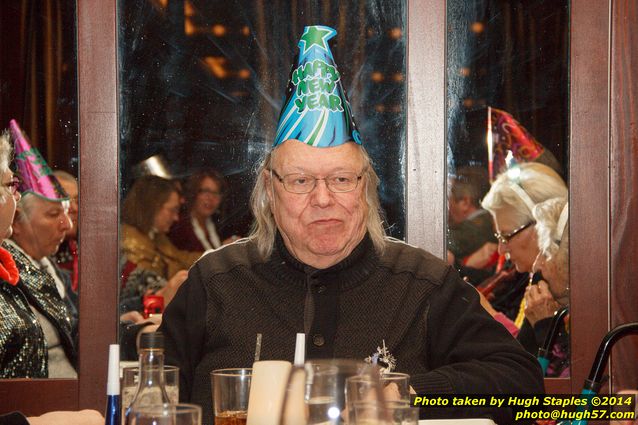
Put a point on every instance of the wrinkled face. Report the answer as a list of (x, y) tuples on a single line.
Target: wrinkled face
[(556, 276), (522, 248), (208, 198), (41, 234), (8, 208), (319, 228), (167, 214), (71, 188)]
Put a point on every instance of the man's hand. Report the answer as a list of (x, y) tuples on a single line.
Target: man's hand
[(539, 302), (83, 417)]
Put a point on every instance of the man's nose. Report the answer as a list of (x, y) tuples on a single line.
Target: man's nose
[(321, 195)]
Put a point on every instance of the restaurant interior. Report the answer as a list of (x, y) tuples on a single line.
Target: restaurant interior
[(102, 86)]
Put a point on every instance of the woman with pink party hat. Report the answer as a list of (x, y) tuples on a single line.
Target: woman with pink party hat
[(40, 225)]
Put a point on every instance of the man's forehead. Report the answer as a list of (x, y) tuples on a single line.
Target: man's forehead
[(298, 156)]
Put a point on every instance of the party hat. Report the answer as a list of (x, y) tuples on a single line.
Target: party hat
[(316, 111), (35, 175), (508, 142)]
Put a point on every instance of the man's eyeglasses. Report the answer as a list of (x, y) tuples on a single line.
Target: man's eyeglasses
[(504, 238), (13, 185), (341, 182)]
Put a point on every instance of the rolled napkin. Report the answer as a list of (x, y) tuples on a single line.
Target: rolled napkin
[(267, 391)]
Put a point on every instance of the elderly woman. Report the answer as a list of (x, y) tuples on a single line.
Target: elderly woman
[(195, 230), (152, 264), (22, 343), (521, 201)]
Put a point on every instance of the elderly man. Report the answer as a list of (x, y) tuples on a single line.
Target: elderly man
[(40, 224), (318, 262), (67, 255)]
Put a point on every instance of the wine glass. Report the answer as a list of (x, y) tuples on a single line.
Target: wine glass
[(167, 414), (316, 393)]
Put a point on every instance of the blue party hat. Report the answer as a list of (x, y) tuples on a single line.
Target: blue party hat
[(316, 111)]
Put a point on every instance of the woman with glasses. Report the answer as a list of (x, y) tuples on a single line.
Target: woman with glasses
[(151, 263), (523, 201), (196, 229)]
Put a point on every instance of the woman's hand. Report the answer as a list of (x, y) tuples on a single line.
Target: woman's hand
[(172, 285), (539, 302)]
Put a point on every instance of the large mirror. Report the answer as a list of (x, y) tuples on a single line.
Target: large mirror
[(508, 141), (38, 94), (201, 87)]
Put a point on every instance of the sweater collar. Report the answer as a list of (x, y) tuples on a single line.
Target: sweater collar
[(349, 272)]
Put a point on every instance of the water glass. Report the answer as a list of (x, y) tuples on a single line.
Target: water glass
[(396, 412), (317, 394), (167, 414), (231, 390), (396, 386)]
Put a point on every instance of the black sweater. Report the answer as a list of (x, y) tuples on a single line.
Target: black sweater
[(430, 320)]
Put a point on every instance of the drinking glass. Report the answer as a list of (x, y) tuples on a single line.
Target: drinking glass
[(396, 386), (316, 392), (397, 412), (231, 388), (131, 379), (167, 414)]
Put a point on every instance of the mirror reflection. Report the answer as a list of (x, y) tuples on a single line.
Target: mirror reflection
[(201, 86), (39, 282), (507, 69)]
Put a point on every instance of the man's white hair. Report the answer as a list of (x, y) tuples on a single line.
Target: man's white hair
[(552, 231), (264, 227)]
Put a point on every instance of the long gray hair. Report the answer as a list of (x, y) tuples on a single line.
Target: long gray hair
[(6, 153), (264, 227)]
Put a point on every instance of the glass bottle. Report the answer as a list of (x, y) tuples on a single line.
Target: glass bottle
[(151, 389)]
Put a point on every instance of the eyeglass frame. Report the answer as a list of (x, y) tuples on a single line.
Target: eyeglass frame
[(315, 179), (505, 238)]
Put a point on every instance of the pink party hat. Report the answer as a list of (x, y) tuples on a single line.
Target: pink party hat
[(34, 172)]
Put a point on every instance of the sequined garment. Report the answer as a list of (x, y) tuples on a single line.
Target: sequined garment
[(41, 292), (23, 350)]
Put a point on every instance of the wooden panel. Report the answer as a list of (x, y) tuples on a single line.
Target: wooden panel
[(34, 397), (589, 183), (624, 183), (558, 386), (99, 196), (426, 197)]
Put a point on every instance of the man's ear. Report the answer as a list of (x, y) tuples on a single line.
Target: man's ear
[(268, 184)]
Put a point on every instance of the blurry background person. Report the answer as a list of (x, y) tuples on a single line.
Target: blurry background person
[(196, 229), (22, 346), (39, 226), (151, 263), (511, 200), (552, 291), (472, 247), (67, 255)]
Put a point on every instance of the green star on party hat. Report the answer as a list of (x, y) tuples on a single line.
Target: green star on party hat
[(316, 111)]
